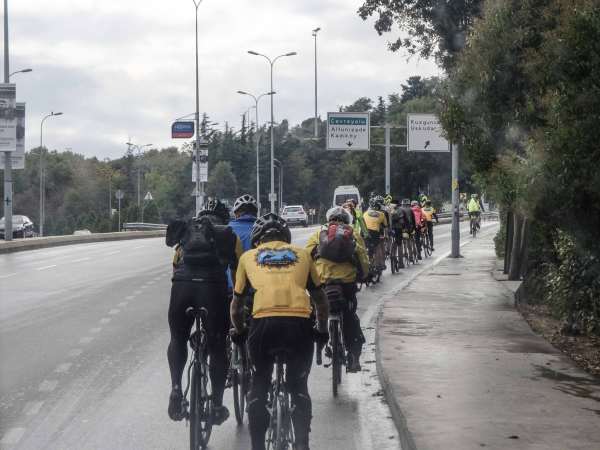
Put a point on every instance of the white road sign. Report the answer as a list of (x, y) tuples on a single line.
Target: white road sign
[(348, 131), (148, 196), (425, 134), (119, 194), (203, 155), (8, 117), (18, 156)]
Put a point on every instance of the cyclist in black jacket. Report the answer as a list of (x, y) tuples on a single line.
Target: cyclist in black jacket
[(199, 280)]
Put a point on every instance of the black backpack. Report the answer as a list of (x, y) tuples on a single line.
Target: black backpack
[(199, 243), (336, 243)]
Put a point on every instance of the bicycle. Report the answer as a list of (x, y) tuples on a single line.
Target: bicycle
[(336, 350), (374, 270), (474, 224), (396, 258), (425, 245), (198, 383), (280, 434), (240, 379)]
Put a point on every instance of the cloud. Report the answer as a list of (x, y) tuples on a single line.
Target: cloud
[(122, 69)]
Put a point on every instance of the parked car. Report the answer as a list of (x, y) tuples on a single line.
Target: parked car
[(22, 227), (295, 214)]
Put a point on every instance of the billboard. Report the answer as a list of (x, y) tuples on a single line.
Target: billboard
[(425, 134), (182, 130), (18, 156), (8, 117), (348, 131)]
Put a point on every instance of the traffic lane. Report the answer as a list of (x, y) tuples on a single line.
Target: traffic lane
[(109, 368)]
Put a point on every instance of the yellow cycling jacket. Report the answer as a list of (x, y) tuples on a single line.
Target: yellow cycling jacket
[(280, 274), (344, 272)]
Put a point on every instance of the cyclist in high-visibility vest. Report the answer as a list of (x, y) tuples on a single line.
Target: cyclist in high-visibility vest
[(429, 213)]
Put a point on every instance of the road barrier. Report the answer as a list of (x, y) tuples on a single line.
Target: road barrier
[(19, 245)]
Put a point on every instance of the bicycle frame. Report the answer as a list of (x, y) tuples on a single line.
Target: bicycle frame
[(280, 434)]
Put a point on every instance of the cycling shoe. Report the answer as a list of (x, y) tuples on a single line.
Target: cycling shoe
[(220, 415), (176, 410)]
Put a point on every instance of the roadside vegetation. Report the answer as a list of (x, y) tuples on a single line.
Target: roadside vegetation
[(522, 100)]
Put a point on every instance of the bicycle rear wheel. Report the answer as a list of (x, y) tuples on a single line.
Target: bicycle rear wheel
[(200, 407), (336, 363)]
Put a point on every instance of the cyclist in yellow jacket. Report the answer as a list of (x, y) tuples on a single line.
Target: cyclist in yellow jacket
[(280, 274), (429, 213), (345, 274)]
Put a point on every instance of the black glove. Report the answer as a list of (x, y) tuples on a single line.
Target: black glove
[(238, 338), (320, 338)]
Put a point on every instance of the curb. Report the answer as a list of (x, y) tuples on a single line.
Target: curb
[(56, 241), (406, 440)]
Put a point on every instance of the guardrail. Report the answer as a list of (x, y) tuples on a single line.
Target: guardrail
[(140, 226), (19, 245)]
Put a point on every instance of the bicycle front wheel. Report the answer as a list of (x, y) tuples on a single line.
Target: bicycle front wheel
[(200, 408)]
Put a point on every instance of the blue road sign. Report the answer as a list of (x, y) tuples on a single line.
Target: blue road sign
[(182, 130)]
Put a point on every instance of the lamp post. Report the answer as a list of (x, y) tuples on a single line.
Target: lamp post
[(199, 185), (42, 177), (271, 63), (139, 150), (280, 164), (314, 33), (19, 71), (257, 140)]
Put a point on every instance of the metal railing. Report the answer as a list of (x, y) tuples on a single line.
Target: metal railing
[(140, 226)]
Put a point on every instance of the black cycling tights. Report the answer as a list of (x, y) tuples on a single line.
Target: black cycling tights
[(268, 334), (212, 296)]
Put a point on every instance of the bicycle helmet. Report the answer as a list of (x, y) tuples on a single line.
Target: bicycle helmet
[(414, 203), (340, 214), (405, 202), (216, 208), (245, 200), (270, 224)]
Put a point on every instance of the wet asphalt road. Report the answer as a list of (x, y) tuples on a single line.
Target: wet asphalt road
[(83, 337)]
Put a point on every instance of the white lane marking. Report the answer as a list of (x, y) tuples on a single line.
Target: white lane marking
[(138, 292), (46, 267), (12, 436), (138, 247), (81, 259), (130, 297), (122, 304), (96, 330), (8, 275), (63, 368), (86, 340), (105, 320), (75, 352), (114, 311), (48, 385), (32, 408), (151, 282), (111, 253)]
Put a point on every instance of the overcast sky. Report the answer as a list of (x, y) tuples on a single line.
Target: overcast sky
[(124, 69)]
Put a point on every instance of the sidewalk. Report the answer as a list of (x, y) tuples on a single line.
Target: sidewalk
[(462, 370)]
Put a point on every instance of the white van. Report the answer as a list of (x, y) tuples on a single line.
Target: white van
[(344, 193)]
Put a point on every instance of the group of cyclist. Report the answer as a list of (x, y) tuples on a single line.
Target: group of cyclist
[(230, 267)]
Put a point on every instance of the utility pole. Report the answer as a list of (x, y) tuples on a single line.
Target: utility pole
[(455, 232), (8, 202), (387, 158), (199, 186)]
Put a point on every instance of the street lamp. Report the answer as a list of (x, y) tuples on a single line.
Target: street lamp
[(139, 149), (314, 33), (280, 164), (256, 138), (42, 178), (20, 71), (199, 186), (271, 63)]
